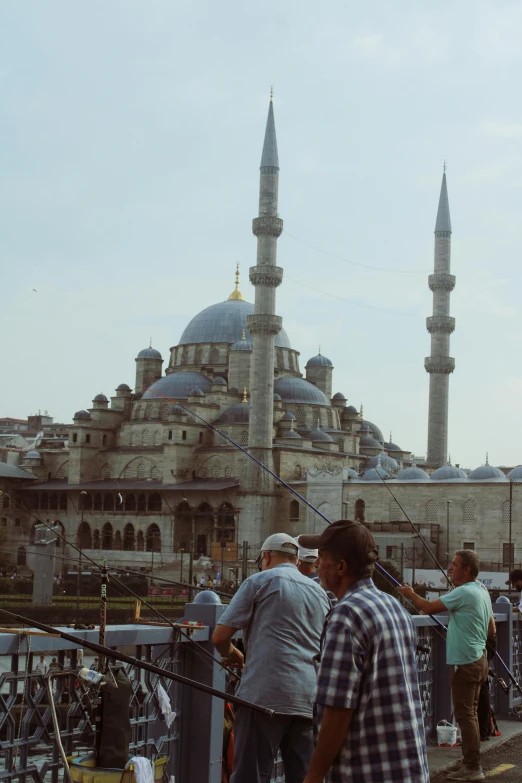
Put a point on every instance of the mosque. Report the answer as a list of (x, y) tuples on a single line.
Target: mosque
[(143, 473)]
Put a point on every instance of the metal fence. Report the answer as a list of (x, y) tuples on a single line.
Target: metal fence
[(193, 744)]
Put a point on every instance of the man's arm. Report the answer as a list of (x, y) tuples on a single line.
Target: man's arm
[(222, 641), (428, 607), (492, 628), (334, 728)]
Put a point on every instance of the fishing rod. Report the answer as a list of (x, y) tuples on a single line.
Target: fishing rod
[(150, 667), (294, 492)]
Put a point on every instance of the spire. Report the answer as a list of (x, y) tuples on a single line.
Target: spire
[(236, 293), (245, 395), (487, 458), (443, 214), (269, 157)]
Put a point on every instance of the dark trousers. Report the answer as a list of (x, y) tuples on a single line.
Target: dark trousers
[(466, 682), (257, 738), (484, 710)]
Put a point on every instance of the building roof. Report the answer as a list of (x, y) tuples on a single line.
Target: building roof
[(177, 385), (100, 398), (125, 485), (236, 414), (82, 415), (292, 389), (413, 474), (443, 222), (319, 361), (123, 387), (340, 396), (449, 473), (149, 353), (11, 471), (516, 473), (269, 156), (224, 322), (487, 473)]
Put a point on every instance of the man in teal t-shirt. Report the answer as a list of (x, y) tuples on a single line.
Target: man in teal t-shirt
[(470, 624)]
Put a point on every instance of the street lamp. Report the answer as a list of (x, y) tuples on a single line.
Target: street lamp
[(448, 504), (510, 556), (82, 494), (181, 550)]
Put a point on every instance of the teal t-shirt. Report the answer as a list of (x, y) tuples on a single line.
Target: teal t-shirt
[(469, 609)]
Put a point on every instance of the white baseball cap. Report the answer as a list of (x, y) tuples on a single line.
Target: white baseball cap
[(306, 555), (278, 542)]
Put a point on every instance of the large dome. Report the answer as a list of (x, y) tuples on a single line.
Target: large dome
[(177, 385), (487, 473), (224, 323), (293, 389)]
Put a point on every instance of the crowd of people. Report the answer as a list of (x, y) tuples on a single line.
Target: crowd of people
[(335, 658)]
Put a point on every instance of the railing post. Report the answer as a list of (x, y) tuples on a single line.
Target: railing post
[(202, 715), (503, 606), (442, 705)]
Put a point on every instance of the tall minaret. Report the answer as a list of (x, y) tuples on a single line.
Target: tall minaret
[(265, 324), (440, 325)]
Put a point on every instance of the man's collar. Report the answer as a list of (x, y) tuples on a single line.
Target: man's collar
[(360, 584)]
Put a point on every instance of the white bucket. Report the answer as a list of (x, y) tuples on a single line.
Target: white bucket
[(446, 734)]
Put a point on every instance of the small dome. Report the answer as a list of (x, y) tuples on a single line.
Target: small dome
[(320, 435), (149, 353), (392, 446), (369, 443), (448, 473), (374, 430), (487, 473), (349, 474), (386, 462), (516, 473), (123, 387), (177, 385), (298, 390), (219, 381), (233, 390), (375, 474), (340, 396), (352, 409), (176, 410), (288, 417), (224, 322), (100, 398), (33, 454), (196, 392), (291, 434), (82, 415), (276, 398), (413, 474), (319, 361), (242, 345), (236, 414), (305, 428)]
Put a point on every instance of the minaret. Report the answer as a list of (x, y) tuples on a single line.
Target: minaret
[(265, 324), (440, 325)]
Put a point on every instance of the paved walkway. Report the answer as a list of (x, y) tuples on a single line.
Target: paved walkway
[(440, 759)]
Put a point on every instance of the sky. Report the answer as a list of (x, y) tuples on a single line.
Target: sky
[(131, 136)]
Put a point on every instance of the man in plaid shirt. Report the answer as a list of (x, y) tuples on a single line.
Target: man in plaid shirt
[(367, 712)]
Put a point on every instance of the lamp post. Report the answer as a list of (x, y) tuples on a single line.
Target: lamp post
[(78, 583), (510, 555), (448, 504), (181, 574)]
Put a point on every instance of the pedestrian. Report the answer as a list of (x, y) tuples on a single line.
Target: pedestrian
[(210, 583), (367, 713), (95, 665), (471, 623), (42, 666), (201, 582), (54, 666), (281, 613), (515, 579), (195, 580), (306, 559)]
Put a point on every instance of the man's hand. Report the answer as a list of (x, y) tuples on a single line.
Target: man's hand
[(235, 660), (407, 591)]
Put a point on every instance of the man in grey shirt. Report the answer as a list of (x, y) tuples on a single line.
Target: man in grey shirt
[(281, 613)]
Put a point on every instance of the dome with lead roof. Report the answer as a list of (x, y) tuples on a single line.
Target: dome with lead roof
[(292, 389), (85, 415), (413, 474), (239, 413), (149, 353), (177, 384), (225, 322), (319, 361), (487, 473), (449, 473), (515, 474), (320, 435), (375, 474)]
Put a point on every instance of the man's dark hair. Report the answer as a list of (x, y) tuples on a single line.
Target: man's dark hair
[(469, 558), (358, 569)]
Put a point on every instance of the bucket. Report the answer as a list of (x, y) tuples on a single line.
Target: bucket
[(83, 770), (446, 734)]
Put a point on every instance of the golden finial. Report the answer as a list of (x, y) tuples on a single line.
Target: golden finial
[(245, 396), (243, 336), (236, 293)]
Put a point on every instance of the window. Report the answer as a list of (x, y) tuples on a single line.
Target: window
[(390, 552), (201, 437), (360, 507), (87, 438), (5, 501), (21, 556), (18, 522), (170, 435), (228, 471), (469, 512), (157, 438), (243, 438), (294, 510), (83, 537), (97, 502), (108, 503), (431, 511), (299, 416), (141, 470), (128, 538), (469, 545), (340, 443), (153, 539), (298, 471), (75, 437), (3, 522), (134, 439), (53, 501), (140, 542), (155, 474), (130, 503), (127, 473), (395, 511), (184, 435), (203, 471), (117, 540), (214, 356), (96, 539), (106, 472), (215, 471), (155, 502), (506, 512), (142, 504), (104, 440), (164, 411), (147, 410), (145, 438), (508, 556), (107, 535), (63, 501), (329, 417)]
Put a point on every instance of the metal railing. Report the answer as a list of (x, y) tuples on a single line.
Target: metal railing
[(193, 744)]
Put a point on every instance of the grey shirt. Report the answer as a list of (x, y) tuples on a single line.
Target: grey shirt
[(281, 613)]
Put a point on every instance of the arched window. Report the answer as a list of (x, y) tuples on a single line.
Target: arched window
[(62, 471), (145, 438), (329, 417), (395, 511), (226, 528), (141, 470), (340, 443), (86, 501), (300, 416), (316, 419), (155, 502), (157, 438), (505, 512), (140, 542), (360, 508), (128, 538), (134, 439), (469, 511), (127, 473), (228, 471), (294, 511), (155, 474), (164, 411), (104, 440), (203, 471), (243, 438), (106, 472), (148, 410), (63, 501), (137, 412), (198, 356), (96, 539), (107, 536), (184, 356), (183, 526), (44, 501), (117, 540), (53, 501), (97, 502), (153, 538), (84, 537), (130, 502), (214, 356), (32, 533), (142, 504), (21, 556), (215, 471), (200, 439), (432, 513), (298, 471), (108, 502)]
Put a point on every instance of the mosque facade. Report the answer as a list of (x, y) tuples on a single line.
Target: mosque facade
[(143, 472)]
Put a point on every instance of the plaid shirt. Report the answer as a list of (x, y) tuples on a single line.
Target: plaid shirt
[(368, 665)]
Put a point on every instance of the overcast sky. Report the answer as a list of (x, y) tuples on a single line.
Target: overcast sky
[(131, 135)]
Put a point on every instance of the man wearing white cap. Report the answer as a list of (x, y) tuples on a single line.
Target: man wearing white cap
[(306, 561), (281, 613)]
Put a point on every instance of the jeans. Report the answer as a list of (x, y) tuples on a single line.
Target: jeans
[(466, 681), (257, 739)]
